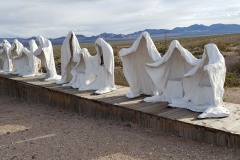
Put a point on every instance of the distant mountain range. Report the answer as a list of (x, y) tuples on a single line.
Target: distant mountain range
[(193, 30)]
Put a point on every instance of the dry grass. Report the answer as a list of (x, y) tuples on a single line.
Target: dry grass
[(229, 45)]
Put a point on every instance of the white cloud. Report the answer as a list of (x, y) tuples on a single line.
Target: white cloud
[(54, 18)]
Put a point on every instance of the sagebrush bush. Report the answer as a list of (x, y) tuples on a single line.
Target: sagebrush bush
[(232, 79), (235, 67), (237, 50), (222, 46)]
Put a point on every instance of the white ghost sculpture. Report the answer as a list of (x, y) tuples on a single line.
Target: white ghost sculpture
[(69, 57), (24, 62), (45, 53), (204, 85), (84, 71), (167, 72), (34, 63), (134, 59), (5, 59), (99, 68), (19, 58)]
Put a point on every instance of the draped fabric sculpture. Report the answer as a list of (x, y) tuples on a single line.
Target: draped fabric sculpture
[(134, 59), (204, 85), (45, 53), (69, 57), (167, 72), (104, 80), (33, 62), (84, 71), (19, 58), (24, 62), (5, 61), (95, 72)]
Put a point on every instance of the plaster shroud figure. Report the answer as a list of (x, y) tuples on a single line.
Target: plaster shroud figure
[(5, 59), (19, 58), (45, 53), (33, 62), (84, 71), (204, 85), (99, 68), (69, 57), (167, 72), (134, 59), (24, 62)]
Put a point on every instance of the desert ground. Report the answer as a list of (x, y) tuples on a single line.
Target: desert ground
[(30, 131)]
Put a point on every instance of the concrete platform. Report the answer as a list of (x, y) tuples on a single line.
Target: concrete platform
[(115, 106)]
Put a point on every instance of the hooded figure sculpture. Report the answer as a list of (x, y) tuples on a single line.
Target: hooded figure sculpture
[(100, 73), (84, 71), (45, 53), (69, 57), (134, 59), (204, 85), (34, 63), (5, 61), (167, 73), (23, 60), (19, 58)]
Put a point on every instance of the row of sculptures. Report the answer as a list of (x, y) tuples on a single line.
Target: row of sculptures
[(177, 77)]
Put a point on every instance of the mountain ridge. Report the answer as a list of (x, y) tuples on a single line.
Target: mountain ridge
[(193, 30)]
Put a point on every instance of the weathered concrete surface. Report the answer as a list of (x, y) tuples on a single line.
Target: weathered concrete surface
[(115, 106)]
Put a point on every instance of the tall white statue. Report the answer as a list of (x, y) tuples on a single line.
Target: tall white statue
[(134, 59), (204, 85), (45, 53), (5, 59), (167, 72), (69, 57), (99, 73), (34, 63)]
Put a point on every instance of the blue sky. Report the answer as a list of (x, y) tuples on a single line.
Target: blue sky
[(55, 18)]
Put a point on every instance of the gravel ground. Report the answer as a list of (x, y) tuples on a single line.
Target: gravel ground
[(30, 131)]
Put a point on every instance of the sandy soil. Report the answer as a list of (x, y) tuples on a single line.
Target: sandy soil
[(232, 95), (30, 131)]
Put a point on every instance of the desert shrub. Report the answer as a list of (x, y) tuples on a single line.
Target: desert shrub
[(237, 50), (119, 77), (118, 62), (197, 51), (228, 49), (232, 79), (203, 43), (235, 44), (162, 50), (57, 51), (235, 67), (162, 47), (223, 47), (233, 75)]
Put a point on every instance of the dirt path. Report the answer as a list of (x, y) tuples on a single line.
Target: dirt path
[(29, 131)]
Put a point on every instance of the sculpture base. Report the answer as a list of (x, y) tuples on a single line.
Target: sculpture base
[(116, 106)]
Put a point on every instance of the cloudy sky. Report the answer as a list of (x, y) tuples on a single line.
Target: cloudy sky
[(55, 18)]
